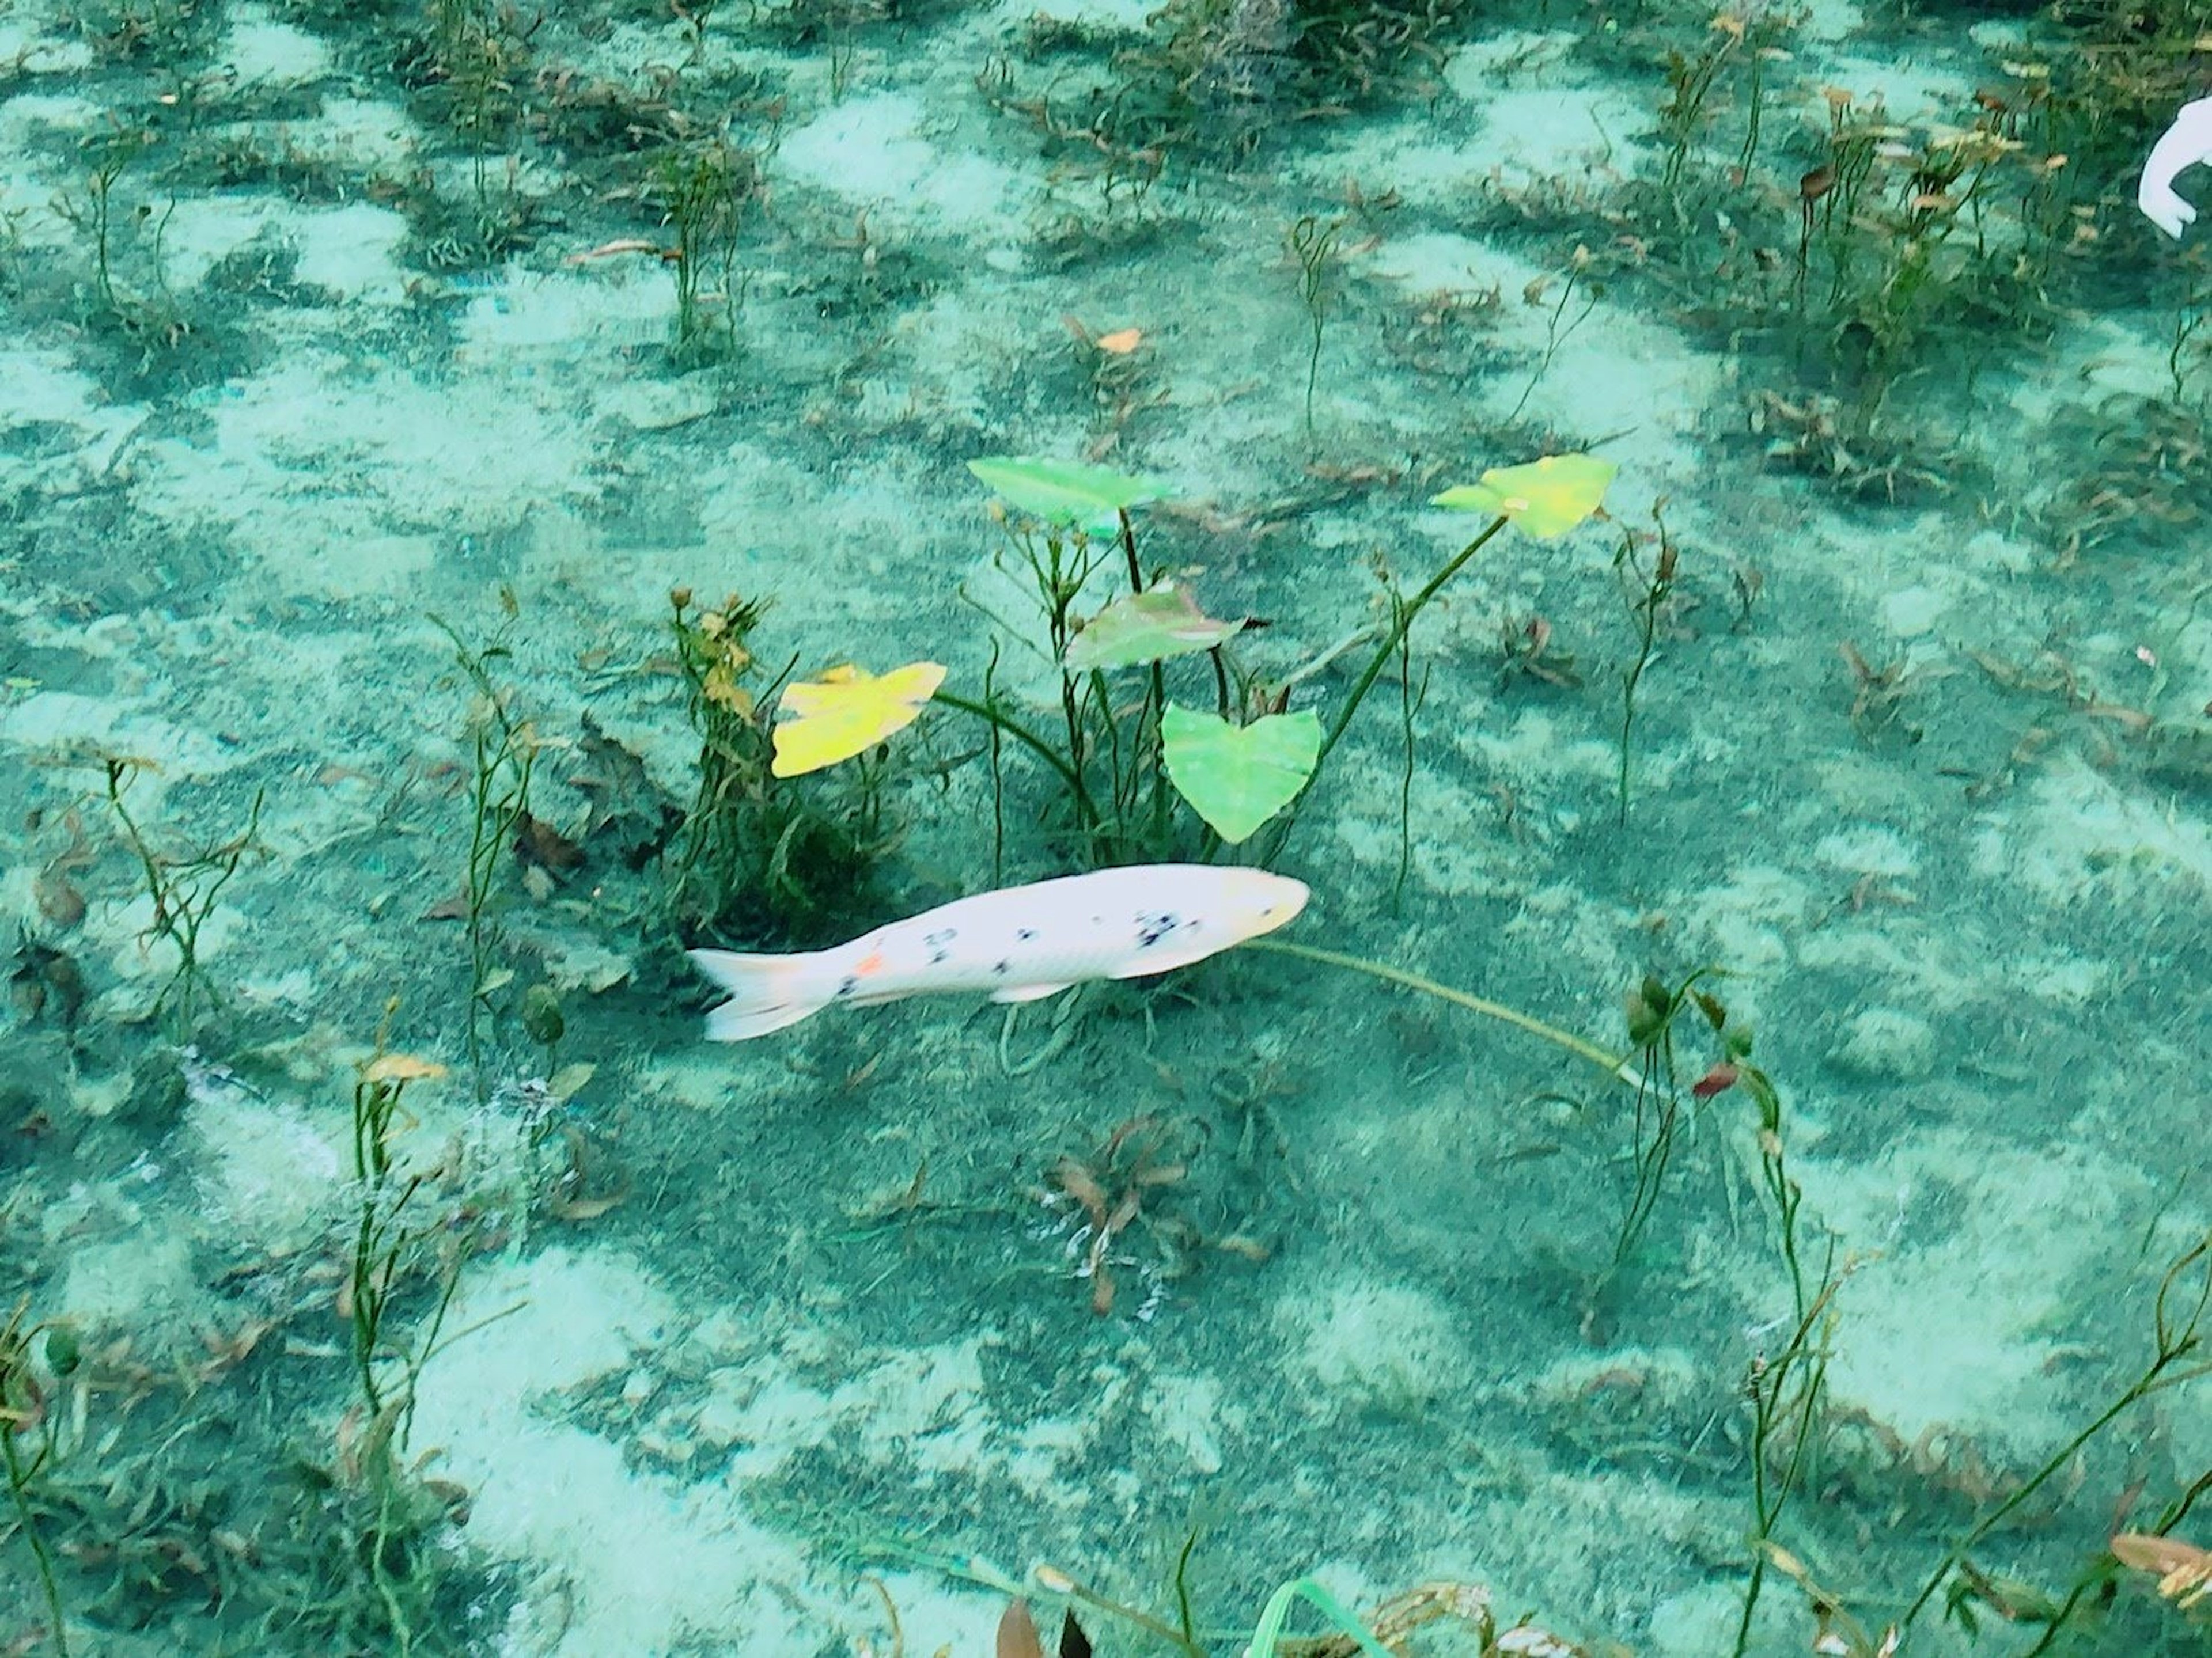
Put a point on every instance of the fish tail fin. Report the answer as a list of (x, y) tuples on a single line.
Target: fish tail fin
[(766, 993)]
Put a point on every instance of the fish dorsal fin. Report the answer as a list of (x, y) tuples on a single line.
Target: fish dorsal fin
[(1027, 992)]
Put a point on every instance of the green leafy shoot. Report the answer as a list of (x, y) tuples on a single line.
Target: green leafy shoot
[(1267, 1637)]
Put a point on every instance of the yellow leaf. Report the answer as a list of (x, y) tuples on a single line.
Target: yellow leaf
[(846, 711), (1546, 498)]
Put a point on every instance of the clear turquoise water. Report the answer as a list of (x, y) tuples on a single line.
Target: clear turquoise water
[(709, 1350)]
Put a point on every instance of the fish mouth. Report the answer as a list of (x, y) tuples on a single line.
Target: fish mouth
[(1290, 901)]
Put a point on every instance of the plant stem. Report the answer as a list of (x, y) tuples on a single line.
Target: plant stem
[(2173, 1345), (18, 1479), (1613, 1065), (1156, 698), (1657, 588), (1011, 727), (1401, 623)]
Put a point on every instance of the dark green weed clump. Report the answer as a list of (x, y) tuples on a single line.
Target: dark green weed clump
[(1211, 79), (184, 889), (1871, 266), (760, 858), (702, 188)]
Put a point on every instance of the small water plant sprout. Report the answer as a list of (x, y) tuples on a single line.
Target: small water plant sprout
[(401, 1247), (702, 187), (34, 1358), (503, 753), (184, 891)]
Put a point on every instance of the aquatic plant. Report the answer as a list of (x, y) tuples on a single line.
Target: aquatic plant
[(1790, 1418), (1577, 276), (844, 712), (1313, 242), (2179, 1356), (1383, 1633), (703, 186), (1788, 1395), (133, 28), (111, 156), (32, 1357), (1648, 591), (1115, 174), (1544, 498), (1617, 1067), (150, 316), (1117, 371), (1076, 523), (694, 15), (1787, 1391), (503, 755), (1871, 257), (765, 853), (1213, 79), (1109, 1187), (2145, 485), (1654, 1006), (2183, 1570), (393, 1238), (1248, 763), (184, 891)]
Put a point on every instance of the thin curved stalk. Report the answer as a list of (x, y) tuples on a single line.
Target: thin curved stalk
[(1020, 734), (1615, 1065), (1400, 625)]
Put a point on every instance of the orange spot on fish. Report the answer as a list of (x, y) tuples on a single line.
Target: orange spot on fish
[(871, 962)]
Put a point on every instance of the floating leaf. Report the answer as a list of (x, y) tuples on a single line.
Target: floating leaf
[(846, 711), (1237, 777), (1147, 627), (1063, 491), (401, 1068), (1547, 498)]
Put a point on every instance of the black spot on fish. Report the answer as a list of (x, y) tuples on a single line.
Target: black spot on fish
[(846, 985), (1025, 933), (942, 936), (1151, 929), (1002, 968), (939, 955)]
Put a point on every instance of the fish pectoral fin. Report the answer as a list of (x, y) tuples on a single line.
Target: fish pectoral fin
[(1028, 992)]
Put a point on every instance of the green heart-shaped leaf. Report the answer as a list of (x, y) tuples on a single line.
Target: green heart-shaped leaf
[(1547, 498), (1237, 777), (1147, 627), (1064, 491)]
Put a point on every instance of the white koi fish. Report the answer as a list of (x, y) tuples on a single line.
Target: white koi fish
[(1017, 944), (2187, 142)]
